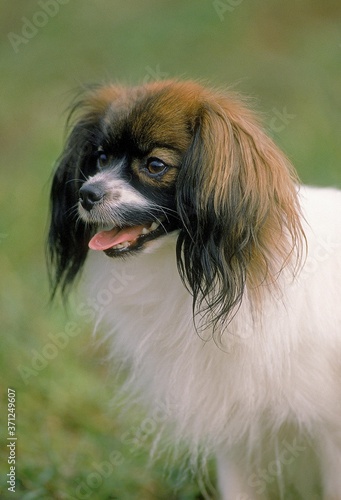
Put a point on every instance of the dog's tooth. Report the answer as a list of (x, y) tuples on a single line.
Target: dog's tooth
[(145, 230), (124, 244), (154, 226)]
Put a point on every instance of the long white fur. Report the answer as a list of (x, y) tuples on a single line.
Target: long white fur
[(267, 401)]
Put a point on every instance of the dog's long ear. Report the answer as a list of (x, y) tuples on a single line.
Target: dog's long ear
[(67, 244), (237, 199), (68, 236)]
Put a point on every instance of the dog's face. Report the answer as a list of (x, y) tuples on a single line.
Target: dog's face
[(128, 190), (146, 161)]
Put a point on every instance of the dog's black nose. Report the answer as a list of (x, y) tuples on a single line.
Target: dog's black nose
[(89, 196)]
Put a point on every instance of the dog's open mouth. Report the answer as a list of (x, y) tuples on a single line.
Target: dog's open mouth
[(117, 241)]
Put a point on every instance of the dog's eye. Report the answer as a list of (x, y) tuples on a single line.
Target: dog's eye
[(103, 158), (155, 167)]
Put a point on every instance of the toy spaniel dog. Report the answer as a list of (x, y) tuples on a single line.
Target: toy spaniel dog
[(228, 310)]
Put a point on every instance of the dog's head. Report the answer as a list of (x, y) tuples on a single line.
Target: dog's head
[(146, 161)]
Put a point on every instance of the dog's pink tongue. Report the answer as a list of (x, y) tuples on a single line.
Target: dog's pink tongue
[(107, 239)]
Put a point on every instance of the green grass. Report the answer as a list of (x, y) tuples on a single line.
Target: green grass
[(286, 56)]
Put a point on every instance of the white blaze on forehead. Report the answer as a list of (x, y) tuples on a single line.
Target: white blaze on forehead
[(127, 193), (122, 191)]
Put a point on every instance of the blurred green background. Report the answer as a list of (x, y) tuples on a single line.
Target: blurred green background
[(287, 55)]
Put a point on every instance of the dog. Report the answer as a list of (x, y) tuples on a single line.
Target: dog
[(231, 313)]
